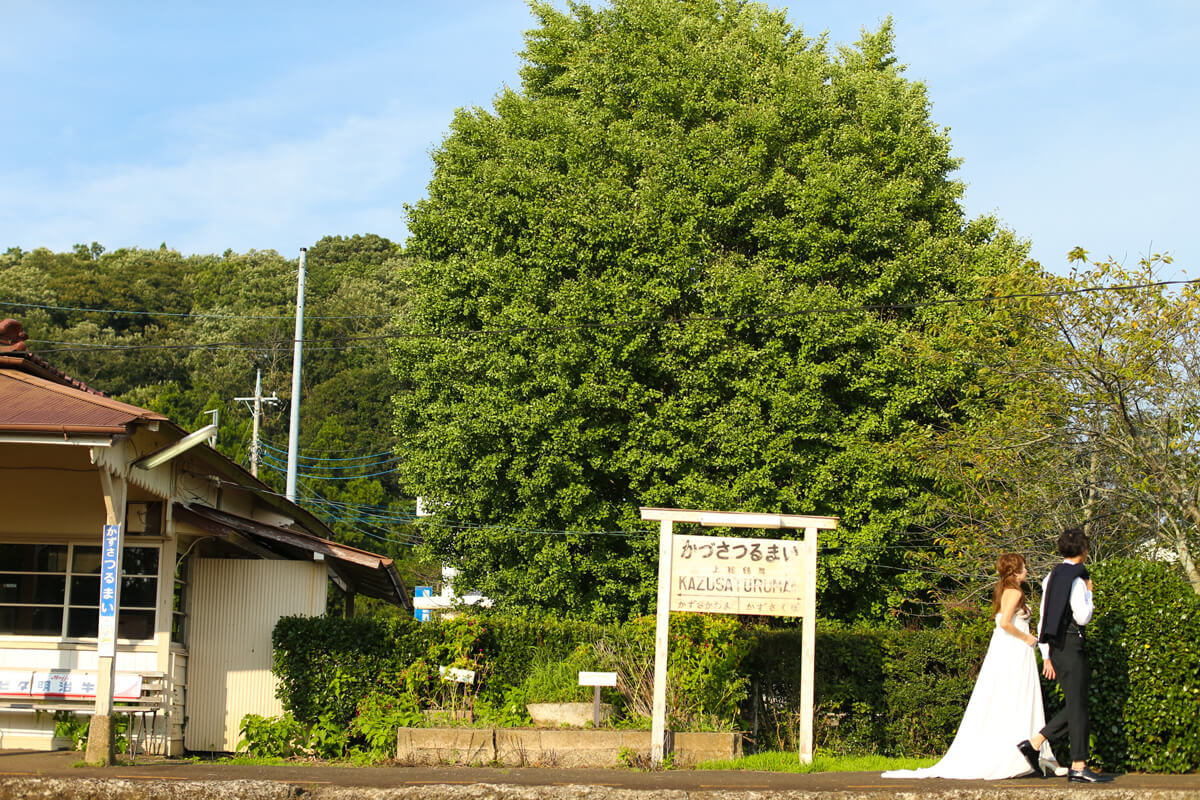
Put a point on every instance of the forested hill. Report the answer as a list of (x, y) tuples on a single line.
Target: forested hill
[(185, 334)]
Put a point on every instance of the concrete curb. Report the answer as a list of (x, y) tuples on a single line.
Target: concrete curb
[(119, 789)]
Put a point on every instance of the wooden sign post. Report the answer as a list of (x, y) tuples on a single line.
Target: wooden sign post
[(734, 575)]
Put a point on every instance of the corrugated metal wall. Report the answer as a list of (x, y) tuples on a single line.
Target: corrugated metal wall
[(235, 605)]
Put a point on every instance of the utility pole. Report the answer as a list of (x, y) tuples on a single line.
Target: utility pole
[(255, 404), (294, 428)]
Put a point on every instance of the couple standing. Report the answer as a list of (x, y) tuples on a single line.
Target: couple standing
[(1002, 733)]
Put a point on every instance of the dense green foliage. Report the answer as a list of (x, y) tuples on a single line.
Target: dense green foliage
[(1144, 651), (885, 691), (195, 329), (621, 261), (330, 665)]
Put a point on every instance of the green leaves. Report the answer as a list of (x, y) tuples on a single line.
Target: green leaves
[(644, 250)]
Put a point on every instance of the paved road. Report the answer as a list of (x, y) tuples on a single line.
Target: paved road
[(17, 767)]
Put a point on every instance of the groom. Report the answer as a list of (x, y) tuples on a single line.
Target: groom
[(1066, 611)]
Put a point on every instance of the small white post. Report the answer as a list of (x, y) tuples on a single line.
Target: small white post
[(662, 625)]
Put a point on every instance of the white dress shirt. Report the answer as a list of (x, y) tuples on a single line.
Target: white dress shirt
[(1081, 607)]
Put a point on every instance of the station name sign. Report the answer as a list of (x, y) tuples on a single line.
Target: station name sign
[(726, 575)]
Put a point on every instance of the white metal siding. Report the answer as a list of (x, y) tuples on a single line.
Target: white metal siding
[(235, 605)]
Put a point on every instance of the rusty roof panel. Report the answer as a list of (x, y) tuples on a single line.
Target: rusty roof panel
[(28, 402)]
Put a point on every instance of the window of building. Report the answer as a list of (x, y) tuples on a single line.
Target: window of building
[(179, 616), (54, 590)]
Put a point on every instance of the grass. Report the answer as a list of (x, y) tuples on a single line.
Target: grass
[(777, 761)]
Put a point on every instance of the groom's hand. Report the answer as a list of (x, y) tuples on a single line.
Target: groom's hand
[(1089, 585), (1048, 669)]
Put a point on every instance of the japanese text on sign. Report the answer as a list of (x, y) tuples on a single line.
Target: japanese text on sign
[(720, 575), (110, 568)]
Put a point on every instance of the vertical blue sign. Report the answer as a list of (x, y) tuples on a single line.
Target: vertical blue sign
[(110, 590), (422, 614)]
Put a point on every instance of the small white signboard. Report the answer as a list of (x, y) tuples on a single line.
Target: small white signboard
[(597, 679), (457, 675)]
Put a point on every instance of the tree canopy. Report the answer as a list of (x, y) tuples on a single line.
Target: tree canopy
[(1093, 419), (683, 265), (185, 334)]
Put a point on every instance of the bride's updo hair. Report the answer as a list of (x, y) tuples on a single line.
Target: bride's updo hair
[(1008, 566)]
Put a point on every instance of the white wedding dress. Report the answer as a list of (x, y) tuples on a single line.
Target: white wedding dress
[(1005, 708)]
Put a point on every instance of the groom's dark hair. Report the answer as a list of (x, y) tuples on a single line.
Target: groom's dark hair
[(1072, 542)]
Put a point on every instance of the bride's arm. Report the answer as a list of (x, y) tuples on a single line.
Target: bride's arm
[(1008, 605)]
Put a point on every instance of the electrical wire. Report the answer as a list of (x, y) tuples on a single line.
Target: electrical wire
[(266, 445), (384, 340), (186, 314)]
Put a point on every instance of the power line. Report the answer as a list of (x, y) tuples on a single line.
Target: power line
[(274, 467), (186, 314), (383, 340), (390, 453)]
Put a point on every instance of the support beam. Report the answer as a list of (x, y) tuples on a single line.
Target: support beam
[(808, 646), (662, 632), (100, 744)]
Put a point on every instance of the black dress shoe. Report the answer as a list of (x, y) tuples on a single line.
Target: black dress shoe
[(1031, 755), (1085, 775)]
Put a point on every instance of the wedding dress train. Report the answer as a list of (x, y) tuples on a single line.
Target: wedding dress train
[(1005, 708)]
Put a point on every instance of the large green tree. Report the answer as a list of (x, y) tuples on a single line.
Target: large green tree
[(682, 265)]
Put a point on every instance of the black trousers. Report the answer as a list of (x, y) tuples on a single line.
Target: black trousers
[(1071, 670)]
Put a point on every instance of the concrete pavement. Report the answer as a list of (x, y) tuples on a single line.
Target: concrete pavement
[(45, 775)]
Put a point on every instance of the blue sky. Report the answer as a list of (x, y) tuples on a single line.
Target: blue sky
[(267, 125)]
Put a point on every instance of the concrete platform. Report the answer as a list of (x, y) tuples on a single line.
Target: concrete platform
[(25, 775)]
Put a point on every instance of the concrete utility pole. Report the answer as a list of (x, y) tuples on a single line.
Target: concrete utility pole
[(255, 404), (294, 429)]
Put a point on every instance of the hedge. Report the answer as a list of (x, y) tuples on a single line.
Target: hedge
[(891, 692)]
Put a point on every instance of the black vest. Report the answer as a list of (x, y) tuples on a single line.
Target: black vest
[(1056, 610)]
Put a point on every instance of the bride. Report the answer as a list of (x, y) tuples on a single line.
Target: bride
[(1006, 704)]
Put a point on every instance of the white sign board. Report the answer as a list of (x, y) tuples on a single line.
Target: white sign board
[(597, 679), (736, 576), (719, 575), (457, 675)]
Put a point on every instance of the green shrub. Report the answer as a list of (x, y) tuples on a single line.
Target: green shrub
[(381, 715), (556, 680), (884, 691), (928, 679), (1144, 652), (325, 665), (328, 738), (272, 737)]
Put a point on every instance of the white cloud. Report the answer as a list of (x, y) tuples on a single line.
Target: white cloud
[(351, 178)]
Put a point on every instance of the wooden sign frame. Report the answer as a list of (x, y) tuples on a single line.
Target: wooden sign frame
[(808, 610)]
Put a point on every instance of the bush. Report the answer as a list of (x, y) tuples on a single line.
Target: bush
[(895, 693), (555, 680), (1144, 653), (380, 715), (272, 737), (326, 665)]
